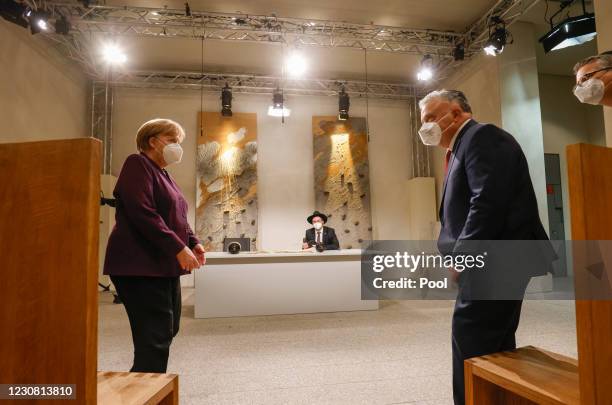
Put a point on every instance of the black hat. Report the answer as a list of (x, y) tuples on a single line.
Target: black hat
[(317, 214)]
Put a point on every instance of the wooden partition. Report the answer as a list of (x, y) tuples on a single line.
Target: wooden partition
[(590, 188), (49, 202)]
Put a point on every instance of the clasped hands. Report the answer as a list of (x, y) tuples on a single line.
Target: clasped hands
[(191, 259)]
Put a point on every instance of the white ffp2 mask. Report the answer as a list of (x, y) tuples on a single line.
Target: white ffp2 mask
[(431, 132), (590, 92), (317, 225), (173, 153)]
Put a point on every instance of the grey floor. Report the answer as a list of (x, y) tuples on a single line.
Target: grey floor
[(397, 355)]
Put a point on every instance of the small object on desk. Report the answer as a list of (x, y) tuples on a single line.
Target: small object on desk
[(233, 248), (244, 244)]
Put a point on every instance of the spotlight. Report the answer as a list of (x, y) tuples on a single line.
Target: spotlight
[(571, 31), (226, 101), (498, 37), (344, 103), (459, 52), (425, 73), (62, 25), (278, 109), (113, 54), (296, 64), (14, 12), (38, 21)]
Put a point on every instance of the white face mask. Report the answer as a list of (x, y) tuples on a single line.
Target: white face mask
[(173, 153), (590, 92), (431, 132), (317, 225)]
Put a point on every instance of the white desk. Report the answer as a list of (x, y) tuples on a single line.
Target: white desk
[(269, 283)]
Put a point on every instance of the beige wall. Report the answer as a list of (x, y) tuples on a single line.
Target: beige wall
[(566, 121), (40, 96), (285, 160), (479, 80), (603, 19)]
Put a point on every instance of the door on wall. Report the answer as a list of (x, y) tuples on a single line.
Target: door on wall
[(556, 221)]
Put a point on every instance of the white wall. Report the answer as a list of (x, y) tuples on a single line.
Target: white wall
[(520, 103), (566, 121), (40, 96), (285, 161)]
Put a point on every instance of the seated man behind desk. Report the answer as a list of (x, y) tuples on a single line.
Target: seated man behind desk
[(320, 235)]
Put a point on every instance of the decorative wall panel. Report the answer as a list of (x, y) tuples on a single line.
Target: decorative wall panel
[(342, 183), (227, 179)]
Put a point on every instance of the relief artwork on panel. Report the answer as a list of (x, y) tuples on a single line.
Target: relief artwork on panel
[(342, 182), (226, 175)]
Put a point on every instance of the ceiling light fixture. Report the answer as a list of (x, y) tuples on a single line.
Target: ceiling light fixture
[(296, 64), (499, 37), (39, 21), (14, 12), (459, 52), (62, 25), (278, 109), (426, 70), (571, 31), (226, 101), (113, 54), (344, 103)]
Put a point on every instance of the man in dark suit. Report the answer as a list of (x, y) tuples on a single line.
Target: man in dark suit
[(488, 195), (320, 236)]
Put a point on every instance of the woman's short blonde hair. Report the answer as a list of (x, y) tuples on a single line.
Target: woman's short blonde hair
[(156, 127)]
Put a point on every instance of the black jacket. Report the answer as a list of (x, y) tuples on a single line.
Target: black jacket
[(330, 240), (488, 195)]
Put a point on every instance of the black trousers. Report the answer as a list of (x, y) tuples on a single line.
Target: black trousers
[(153, 306), (479, 328)]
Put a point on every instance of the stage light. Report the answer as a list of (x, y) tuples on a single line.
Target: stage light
[(425, 73), (296, 64), (571, 31), (38, 21), (278, 109), (499, 37), (344, 103), (62, 25), (226, 101), (113, 54), (459, 52), (14, 12)]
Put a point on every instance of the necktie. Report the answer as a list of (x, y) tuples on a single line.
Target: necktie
[(318, 237), (447, 159)]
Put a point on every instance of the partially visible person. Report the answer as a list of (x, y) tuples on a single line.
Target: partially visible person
[(594, 79), (152, 244), (487, 196), (319, 235)]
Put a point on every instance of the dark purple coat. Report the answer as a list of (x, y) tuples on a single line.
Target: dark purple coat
[(151, 222)]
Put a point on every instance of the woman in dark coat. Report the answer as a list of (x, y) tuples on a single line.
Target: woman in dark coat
[(152, 244)]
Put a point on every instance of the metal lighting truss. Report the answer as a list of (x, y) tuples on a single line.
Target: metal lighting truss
[(95, 21), (245, 83), (164, 22)]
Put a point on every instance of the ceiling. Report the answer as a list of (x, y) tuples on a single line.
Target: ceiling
[(450, 15)]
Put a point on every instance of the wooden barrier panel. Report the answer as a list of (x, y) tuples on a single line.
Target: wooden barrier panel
[(524, 376), (49, 202), (122, 388), (590, 190)]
